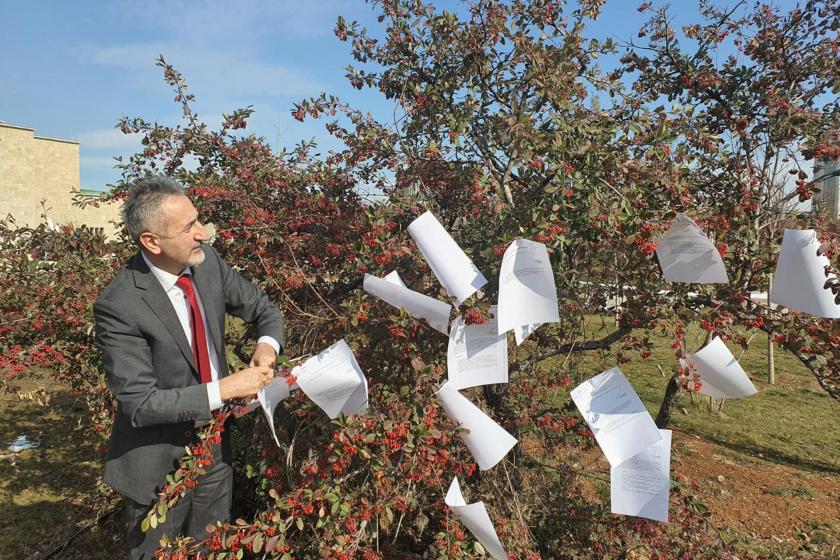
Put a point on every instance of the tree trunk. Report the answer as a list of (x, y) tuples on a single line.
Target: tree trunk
[(494, 395), (672, 394)]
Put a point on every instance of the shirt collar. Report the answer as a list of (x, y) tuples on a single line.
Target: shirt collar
[(167, 279)]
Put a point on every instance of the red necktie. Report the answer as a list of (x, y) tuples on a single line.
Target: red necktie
[(199, 338)]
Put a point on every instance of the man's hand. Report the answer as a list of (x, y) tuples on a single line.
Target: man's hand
[(245, 383), (264, 355)]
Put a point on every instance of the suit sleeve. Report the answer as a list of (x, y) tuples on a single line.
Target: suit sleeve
[(246, 301), (131, 377)]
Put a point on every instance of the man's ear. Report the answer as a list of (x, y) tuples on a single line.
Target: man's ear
[(149, 241)]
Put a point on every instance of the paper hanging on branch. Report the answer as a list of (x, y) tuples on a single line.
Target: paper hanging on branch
[(527, 293), (474, 517), (721, 376), (487, 441), (687, 255), (612, 409), (334, 381), (640, 485), (270, 396), (453, 268), (394, 278), (419, 306), (523, 332), (477, 354), (800, 276)]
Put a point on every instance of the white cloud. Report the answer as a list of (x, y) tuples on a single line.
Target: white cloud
[(96, 162), (211, 73), (227, 48), (237, 22), (231, 55), (109, 138), (132, 56)]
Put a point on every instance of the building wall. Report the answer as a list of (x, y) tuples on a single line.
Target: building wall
[(32, 169), (829, 195)]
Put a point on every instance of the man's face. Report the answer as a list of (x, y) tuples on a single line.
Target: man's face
[(182, 234)]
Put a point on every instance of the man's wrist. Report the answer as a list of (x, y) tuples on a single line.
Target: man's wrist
[(271, 342), (214, 395)]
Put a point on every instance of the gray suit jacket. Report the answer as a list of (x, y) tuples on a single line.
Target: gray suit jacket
[(150, 366)]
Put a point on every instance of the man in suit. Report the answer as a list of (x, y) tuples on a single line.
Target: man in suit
[(160, 324)]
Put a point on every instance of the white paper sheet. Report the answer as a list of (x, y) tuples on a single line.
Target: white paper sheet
[(721, 376), (419, 306), (334, 381), (269, 397), (487, 441), (640, 485), (612, 409), (394, 278), (527, 293), (474, 517), (477, 354), (453, 268), (800, 277), (687, 255), (523, 332)]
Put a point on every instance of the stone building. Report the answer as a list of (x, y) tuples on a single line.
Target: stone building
[(35, 169)]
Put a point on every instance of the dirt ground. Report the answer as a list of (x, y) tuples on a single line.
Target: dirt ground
[(774, 504), (763, 508)]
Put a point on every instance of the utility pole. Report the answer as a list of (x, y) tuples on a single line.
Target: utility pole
[(771, 363)]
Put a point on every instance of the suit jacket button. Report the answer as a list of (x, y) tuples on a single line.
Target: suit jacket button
[(188, 433)]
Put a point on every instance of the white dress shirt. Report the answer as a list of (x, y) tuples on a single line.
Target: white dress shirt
[(182, 310)]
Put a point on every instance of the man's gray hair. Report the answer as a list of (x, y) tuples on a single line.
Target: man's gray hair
[(141, 209)]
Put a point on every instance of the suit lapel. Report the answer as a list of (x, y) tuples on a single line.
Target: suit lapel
[(211, 309), (161, 306)]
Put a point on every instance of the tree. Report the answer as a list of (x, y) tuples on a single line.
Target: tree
[(506, 127), (770, 106)]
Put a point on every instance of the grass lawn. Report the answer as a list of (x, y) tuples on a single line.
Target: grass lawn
[(791, 422), (767, 466), (49, 493)]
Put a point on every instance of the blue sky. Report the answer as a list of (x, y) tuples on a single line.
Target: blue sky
[(71, 69)]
